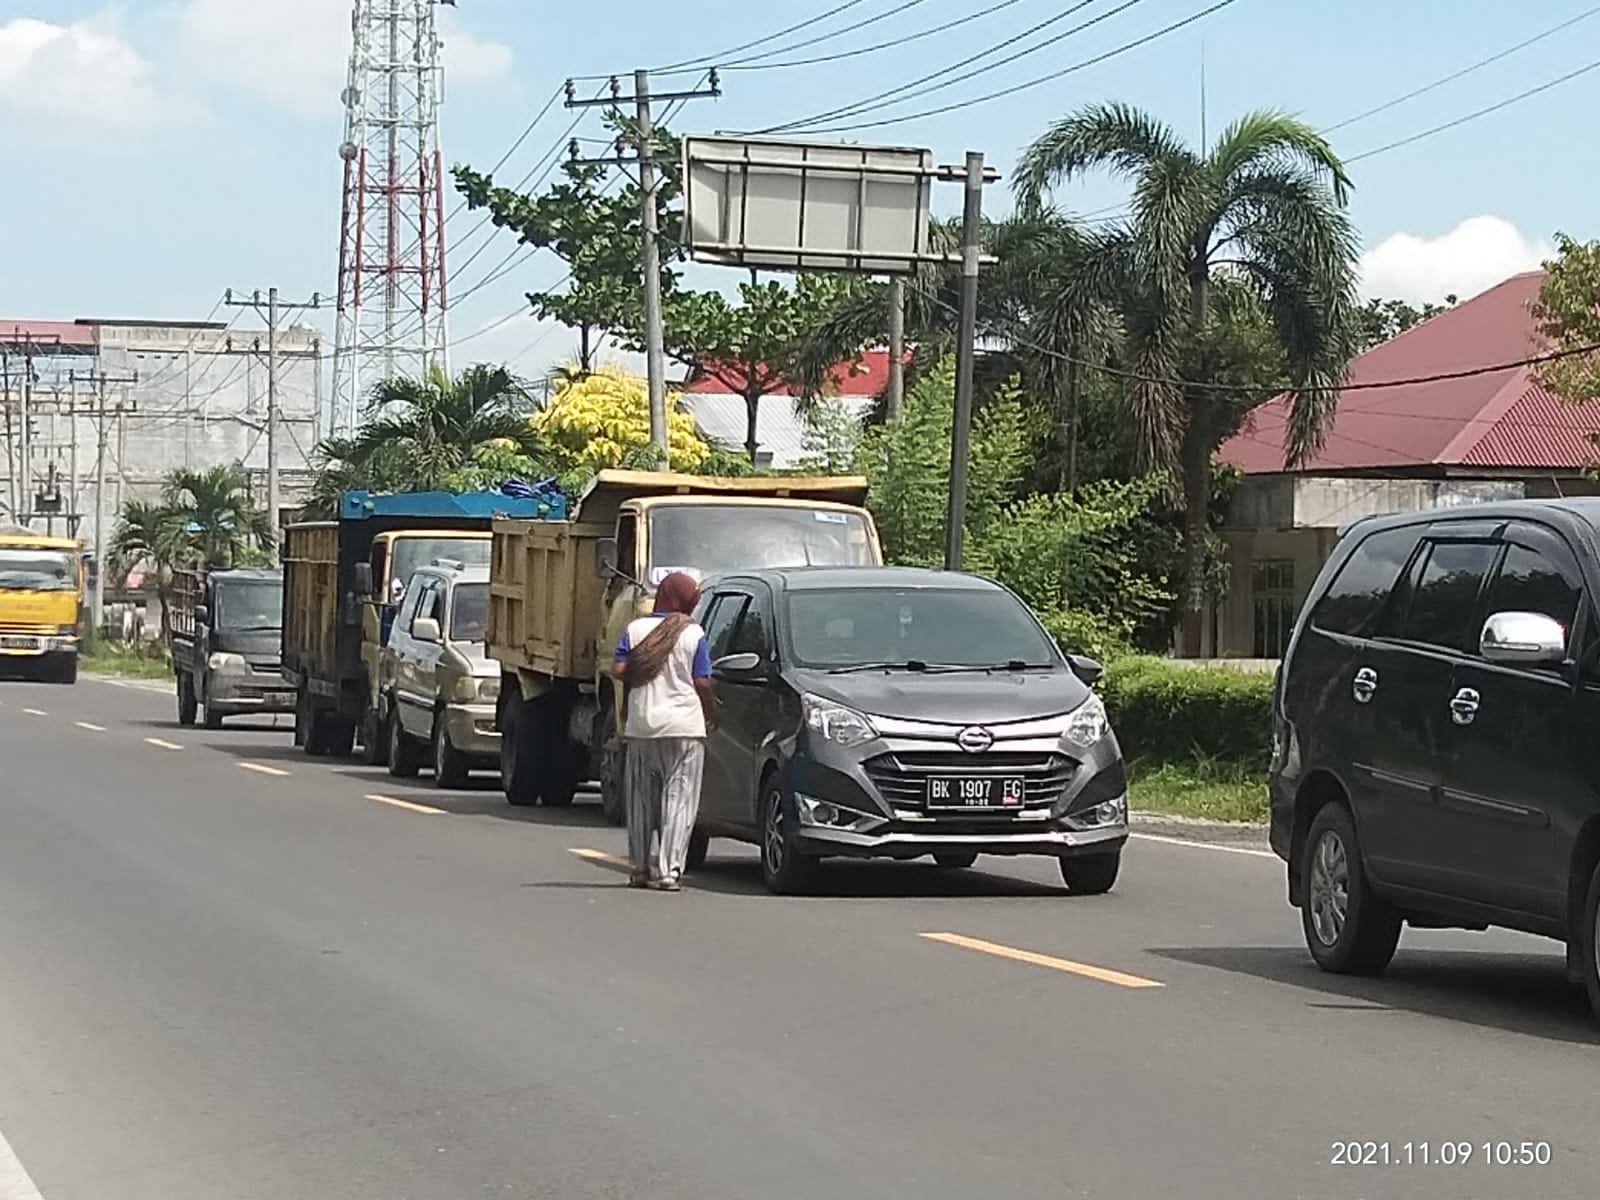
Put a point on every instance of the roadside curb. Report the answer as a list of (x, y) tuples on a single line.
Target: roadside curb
[(1201, 829)]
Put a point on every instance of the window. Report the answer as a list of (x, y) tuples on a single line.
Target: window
[(628, 544), (408, 605), (469, 612), (953, 627), (1272, 596), (248, 606), (722, 623), (1445, 599), (1530, 582), (717, 539), (754, 634), (428, 605), (1356, 596)]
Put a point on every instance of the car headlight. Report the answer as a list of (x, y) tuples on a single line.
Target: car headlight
[(488, 687), (1087, 724), (223, 661), (840, 725)]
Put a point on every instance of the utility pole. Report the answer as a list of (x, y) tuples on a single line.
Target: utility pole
[(25, 428), (271, 313), (101, 412), (897, 347), (649, 250), (966, 351)]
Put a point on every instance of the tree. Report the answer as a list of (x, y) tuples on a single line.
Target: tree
[(1567, 313), (1381, 320), (603, 420), (1264, 207), (220, 524)]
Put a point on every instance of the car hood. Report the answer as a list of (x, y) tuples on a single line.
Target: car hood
[(256, 646), (967, 698)]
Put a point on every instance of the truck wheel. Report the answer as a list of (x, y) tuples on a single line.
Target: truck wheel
[(449, 764), (374, 738), (188, 706), (67, 672), (519, 757), (405, 760)]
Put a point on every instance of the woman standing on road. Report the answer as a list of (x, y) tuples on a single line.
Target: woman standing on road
[(665, 666)]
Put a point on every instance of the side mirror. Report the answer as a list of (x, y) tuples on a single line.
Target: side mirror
[(202, 615), (734, 665), (605, 558), (1523, 638), (364, 580), (426, 629), (1086, 668)]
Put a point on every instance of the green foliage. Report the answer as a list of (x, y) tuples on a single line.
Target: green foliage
[(832, 441), (1380, 320), (1568, 316), (1167, 713)]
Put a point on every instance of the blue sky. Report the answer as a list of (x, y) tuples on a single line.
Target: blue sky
[(163, 150)]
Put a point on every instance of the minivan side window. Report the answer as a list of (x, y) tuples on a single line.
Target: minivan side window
[(1530, 582), (1355, 598), (1444, 602), (722, 621)]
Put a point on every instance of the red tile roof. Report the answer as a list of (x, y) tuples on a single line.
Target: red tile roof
[(1498, 419), (866, 378), (42, 334)]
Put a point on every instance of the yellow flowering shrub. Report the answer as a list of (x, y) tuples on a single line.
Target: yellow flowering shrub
[(596, 422)]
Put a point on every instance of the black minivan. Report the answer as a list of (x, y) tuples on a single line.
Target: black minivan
[(893, 712), (1436, 734)]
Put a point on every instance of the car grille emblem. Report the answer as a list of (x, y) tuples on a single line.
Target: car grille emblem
[(975, 739)]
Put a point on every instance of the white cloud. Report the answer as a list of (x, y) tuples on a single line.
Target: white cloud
[(84, 74), (296, 53), (1475, 255)]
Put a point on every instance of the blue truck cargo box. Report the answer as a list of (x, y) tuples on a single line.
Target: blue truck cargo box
[(541, 506)]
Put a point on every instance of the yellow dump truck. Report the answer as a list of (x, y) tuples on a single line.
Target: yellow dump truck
[(41, 604), (561, 592), (342, 581)]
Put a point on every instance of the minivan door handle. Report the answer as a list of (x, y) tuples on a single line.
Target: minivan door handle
[(1365, 685), (1464, 706)]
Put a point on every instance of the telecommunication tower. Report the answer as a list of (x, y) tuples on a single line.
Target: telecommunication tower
[(391, 306)]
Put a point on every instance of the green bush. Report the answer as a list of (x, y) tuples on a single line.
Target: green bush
[(1165, 713)]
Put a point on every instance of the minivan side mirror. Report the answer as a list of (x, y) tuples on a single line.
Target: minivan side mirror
[(1085, 668), (363, 580), (1523, 638), (605, 558), (426, 629), (733, 666)]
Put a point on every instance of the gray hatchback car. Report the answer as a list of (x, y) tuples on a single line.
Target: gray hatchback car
[(898, 713)]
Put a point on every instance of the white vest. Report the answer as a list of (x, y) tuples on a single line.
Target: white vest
[(668, 706)]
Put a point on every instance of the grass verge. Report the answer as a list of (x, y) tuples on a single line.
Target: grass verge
[(1217, 792), (128, 662)]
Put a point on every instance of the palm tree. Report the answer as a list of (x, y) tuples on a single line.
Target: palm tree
[(1264, 207), (148, 532), (422, 429), (214, 510)]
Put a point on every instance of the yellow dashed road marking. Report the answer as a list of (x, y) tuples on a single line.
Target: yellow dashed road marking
[(163, 744), (261, 769), (1087, 970)]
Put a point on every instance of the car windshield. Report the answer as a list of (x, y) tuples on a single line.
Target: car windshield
[(710, 539), (411, 553), (945, 627), (469, 612), (25, 570), (257, 604)]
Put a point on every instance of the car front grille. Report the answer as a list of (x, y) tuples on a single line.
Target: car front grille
[(902, 776)]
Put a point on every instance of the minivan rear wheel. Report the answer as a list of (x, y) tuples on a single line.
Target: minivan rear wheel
[(1349, 928)]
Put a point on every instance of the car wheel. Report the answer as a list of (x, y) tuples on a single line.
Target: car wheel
[(1589, 937), (404, 760), (955, 862), (1091, 874), (699, 845), (449, 764), (784, 868), (188, 706), (1349, 929)]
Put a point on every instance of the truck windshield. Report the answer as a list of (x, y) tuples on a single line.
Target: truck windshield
[(710, 539), (469, 612), (243, 606), (27, 570), (930, 627), (413, 552)]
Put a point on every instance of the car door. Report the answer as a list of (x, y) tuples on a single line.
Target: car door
[(1511, 751), (413, 684), (748, 705), (719, 798), (1430, 628)]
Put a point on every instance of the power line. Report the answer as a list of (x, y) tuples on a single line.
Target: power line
[(1029, 84), (707, 60), (907, 91), (1473, 116), (892, 44), (1467, 70), (515, 146), (823, 37)]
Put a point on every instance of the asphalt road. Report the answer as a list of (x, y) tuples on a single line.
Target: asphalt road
[(227, 971)]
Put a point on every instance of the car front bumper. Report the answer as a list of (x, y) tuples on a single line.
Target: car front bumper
[(248, 693), (14, 645), (901, 841), (472, 730)]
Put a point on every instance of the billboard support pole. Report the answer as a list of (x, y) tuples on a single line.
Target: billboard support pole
[(966, 349)]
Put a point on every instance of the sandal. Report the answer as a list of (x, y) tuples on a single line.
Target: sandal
[(639, 879)]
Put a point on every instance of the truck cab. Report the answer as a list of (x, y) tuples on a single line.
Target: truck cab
[(41, 598), (227, 645)]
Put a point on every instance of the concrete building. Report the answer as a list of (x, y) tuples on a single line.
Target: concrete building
[(175, 394)]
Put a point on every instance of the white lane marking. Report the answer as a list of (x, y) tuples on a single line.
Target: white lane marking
[(15, 1182), (261, 769), (1193, 845), (405, 804), (36, 712), (90, 726), (163, 744)]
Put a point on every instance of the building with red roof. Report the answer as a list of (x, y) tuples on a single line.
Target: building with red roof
[(1402, 439)]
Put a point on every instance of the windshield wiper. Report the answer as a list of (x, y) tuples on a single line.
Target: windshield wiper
[(912, 664), (1015, 664)]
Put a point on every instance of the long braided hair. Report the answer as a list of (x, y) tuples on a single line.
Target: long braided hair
[(676, 597)]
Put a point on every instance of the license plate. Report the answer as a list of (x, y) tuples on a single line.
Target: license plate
[(19, 643), (981, 792)]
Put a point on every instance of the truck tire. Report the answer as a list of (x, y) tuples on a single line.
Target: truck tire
[(519, 750), (340, 735), (188, 705), (567, 762), (374, 738)]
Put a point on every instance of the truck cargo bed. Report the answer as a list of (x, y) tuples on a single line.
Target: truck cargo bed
[(545, 599)]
